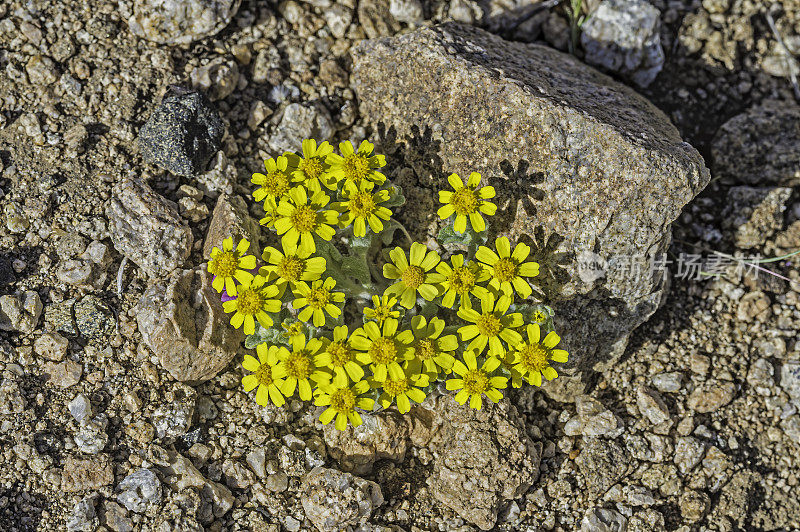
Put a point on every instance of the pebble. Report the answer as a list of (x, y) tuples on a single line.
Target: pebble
[(668, 382), (64, 374), (51, 346), (333, 500), (139, 490), (85, 474), (694, 505), (80, 408), (92, 436), (790, 379), (76, 272), (181, 22), (116, 518), (83, 517), (651, 405), (218, 78), (761, 376), (298, 122), (20, 312), (711, 396), (688, 453)]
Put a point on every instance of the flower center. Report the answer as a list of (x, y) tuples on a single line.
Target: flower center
[(413, 277), (395, 387), (276, 184), (249, 301), (311, 167), (291, 268), (298, 365), (383, 350), (343, 400), (356, 167), (304, 219), (264, 374), (462, 280), (225, 264), (425, 349), (489, 325), (476, 381), (382, 313), (318, 298), (505, 269), (362, 204), (539, 316), (533, 357), (464, 201), (340, 353)]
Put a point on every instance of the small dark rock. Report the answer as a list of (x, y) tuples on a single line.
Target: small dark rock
[(183, 134)]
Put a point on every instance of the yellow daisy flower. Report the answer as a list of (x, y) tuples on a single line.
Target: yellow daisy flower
[(300, 218), (291, 266), (227, 264), (340, 357), (317, 300), (508, 267), (491, 326), (473, 382), (382, 348), (430, 348), (270, 212), (312, 168), (342, 401), (461, 280), (403, 390), (381, 309), (277, 182), (266, 375), (466, 201), (356, 166), (531, 359), (299, 368), (362, 207), (253, 300), (412, 274)]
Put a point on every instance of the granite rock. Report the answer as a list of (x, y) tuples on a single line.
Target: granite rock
[(591, 167), (334, 500), (231, 219)]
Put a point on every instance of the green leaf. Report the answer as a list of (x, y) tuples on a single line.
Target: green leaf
[(387, 235), (356, 267), (262, 335), (448, 236), (396, 198)]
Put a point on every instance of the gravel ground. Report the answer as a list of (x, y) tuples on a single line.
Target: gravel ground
[(696, 428)]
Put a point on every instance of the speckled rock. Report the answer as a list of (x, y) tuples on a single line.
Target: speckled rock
[(482, 459), (231, 219), (334, 500), (147, 228), (182, 321), (790, 379), (711, 396), (180, 21), (759, 147), (217, 79), (182, 134), (603, 520), (83, 517), (614, 171), (624, 37)]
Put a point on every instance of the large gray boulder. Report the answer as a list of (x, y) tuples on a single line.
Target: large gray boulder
[(586, 160)]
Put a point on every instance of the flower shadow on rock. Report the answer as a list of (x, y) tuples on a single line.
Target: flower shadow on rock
[(553, 273), (417, 150)]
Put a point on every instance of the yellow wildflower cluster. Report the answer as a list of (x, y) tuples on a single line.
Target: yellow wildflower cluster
[(397, 351)]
